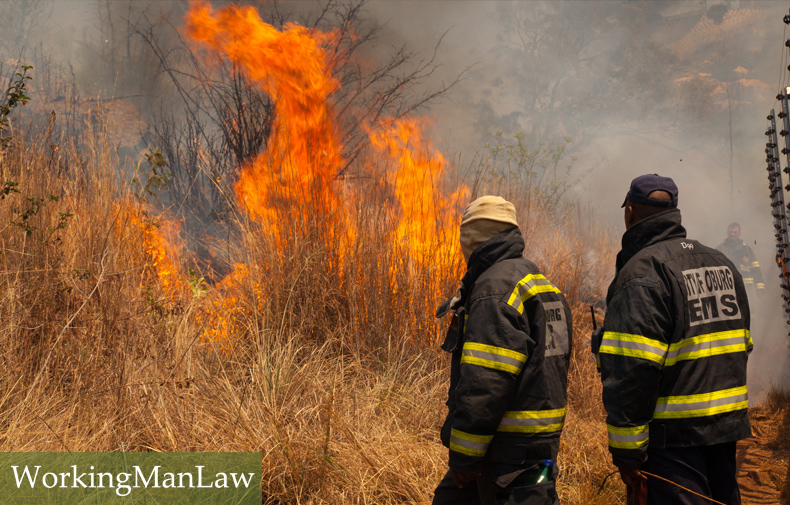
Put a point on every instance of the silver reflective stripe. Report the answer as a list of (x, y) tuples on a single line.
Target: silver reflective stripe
[(629, 344), (635, 438), (672, 407), (533, 421), (635, 346), (674, 353), (711, 344), (520, 421), (628, 438), (469, 444), (699, 405), (490, 356)]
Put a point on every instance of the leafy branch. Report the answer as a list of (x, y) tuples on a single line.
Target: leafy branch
[(14, 96)]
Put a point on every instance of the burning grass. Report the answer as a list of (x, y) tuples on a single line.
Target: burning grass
[(105, 344), (318, 348)]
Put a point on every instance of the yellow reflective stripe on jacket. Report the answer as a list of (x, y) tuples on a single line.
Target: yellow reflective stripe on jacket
[(533, 421), (489, 356), (628, 438), (700, 405), (469, 444), (749, 341), (748, 280), (711, 344), (528, 287), (634, 346), (755, 264), (760, 285)]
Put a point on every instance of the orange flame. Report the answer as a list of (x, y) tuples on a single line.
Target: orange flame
[(429, 225), (155, 243), (294, 183), (293, 188)]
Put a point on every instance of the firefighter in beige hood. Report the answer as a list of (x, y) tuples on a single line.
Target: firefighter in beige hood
[(509, 345), (485, 217)]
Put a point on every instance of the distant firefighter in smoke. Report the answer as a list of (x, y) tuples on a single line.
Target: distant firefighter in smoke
[(510, 344), (743, 257)]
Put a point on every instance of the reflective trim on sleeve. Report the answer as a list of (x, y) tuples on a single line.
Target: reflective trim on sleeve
[(760, 285), (533, 421), (748, 280), (471, 445), (528, 287), (628, 438), (711, 344), (634, 346), (755, 264), (701, 405), (749, 341), (489, 356)]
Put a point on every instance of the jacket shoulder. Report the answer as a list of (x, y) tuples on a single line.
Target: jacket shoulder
[(647, 267), (503, 277)]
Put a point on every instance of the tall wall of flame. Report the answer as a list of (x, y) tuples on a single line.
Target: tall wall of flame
[(293, 185)]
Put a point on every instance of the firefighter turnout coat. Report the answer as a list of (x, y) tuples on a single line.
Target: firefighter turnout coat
[(743, 257), (510, 342), (674, 344)]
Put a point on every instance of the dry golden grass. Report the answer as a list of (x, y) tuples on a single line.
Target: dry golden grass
[(331, 372), (777, 427)]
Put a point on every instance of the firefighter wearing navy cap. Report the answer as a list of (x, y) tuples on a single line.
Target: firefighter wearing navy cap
[(510, 344), (743, 257), (672, 355)]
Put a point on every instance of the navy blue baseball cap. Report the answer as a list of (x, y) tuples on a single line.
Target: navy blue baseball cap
[(643, 185)]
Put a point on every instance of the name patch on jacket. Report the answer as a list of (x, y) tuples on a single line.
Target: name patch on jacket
[(711, 295), (556, 329)]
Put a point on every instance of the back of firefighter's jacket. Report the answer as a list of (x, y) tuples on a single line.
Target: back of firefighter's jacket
[(674, 348), (510, 354)]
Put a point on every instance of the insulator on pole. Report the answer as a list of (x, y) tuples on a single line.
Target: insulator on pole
[(776, 187)]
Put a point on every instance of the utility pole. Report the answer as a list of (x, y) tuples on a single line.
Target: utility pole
[(777, 188)]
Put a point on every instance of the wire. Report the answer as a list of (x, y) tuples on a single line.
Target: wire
[(681, 487), (782, 63), (603, 483)]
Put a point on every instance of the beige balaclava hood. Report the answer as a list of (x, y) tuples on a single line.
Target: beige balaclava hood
[(484, 218)]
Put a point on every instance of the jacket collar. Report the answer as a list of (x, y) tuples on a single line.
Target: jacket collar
[(504, 245), (650, 231)]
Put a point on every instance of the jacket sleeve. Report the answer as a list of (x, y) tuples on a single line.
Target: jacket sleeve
[(637, 329), (754, 269), (496, 346)]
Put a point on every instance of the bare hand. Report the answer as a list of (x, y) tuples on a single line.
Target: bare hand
[(637, 486), (461, 478)]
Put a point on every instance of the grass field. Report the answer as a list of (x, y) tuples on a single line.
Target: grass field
[(328, 365)]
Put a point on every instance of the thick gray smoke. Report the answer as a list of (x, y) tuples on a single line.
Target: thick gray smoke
[(677, 88)]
